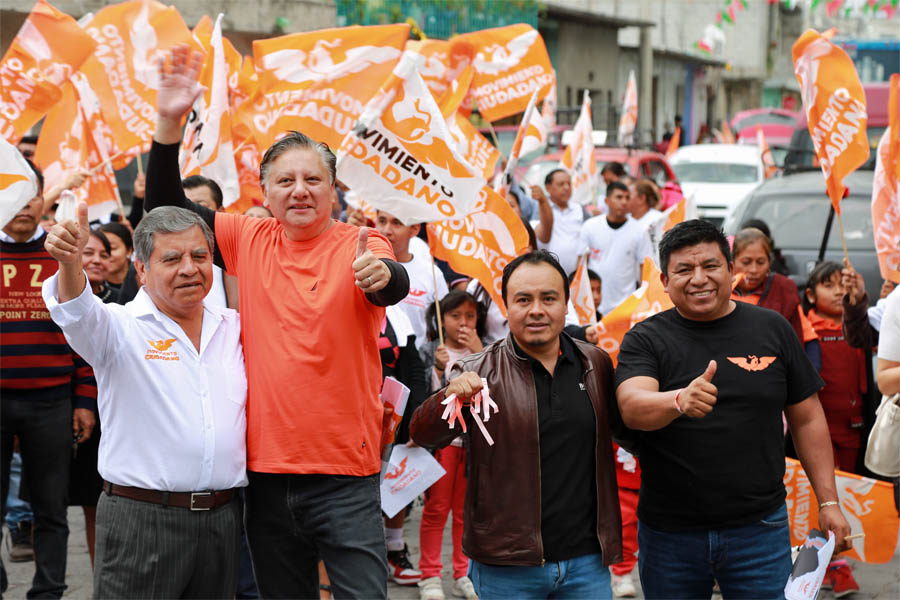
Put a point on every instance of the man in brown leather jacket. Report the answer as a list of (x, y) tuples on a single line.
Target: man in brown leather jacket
[(542, 512)]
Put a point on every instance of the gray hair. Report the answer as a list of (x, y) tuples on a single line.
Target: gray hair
[(167, 219), (295, 139)]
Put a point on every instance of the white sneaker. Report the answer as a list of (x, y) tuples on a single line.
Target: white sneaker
[(623, 586), (431, 588), (463, 588)]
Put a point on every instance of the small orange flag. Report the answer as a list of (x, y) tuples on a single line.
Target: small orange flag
[(482, 243), (580, 293), (886, 191), (674, 142), (49, 47), (727, 136), (835, 106), (646, 301), (510, 63), (867, 504), (765, 153)]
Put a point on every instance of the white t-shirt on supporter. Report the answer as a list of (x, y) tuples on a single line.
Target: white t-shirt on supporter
[(216, 295), (496, 325), (616, 255), (889, 335), (564, 237), (421, 293)]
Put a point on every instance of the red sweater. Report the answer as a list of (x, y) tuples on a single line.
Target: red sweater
[(34, 355)]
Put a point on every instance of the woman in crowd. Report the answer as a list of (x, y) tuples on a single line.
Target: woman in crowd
[(95, 260)]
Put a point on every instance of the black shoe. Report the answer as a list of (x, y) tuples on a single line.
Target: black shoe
[(401, 569), (20, 545)]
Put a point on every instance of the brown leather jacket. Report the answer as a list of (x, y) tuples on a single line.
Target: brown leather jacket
[(503, 497)]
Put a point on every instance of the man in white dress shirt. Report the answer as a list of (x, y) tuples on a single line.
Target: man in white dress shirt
[(172, 393), (563, 220)]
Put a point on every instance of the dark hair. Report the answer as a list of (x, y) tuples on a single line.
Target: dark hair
[(691, 233), (616, 185), (195, 181), (646, 189), (750, 235), (454, 299), (103, 239), (38, 175), (28, 139), (758, 224), (535, 257), (532, 238), (822, 272), (614, 167), (119, 230), (295, 139), (549, 178), (594, 276)]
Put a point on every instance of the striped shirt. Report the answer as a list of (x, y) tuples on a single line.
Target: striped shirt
[(34, 355)]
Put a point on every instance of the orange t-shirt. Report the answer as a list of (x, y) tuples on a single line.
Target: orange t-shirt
[(310, 345)]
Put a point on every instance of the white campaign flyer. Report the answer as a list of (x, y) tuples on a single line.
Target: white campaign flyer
[(410, 472), (809, 567)]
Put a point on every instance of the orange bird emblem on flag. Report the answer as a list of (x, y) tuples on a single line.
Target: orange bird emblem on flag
[(162, 345), (752, 362)]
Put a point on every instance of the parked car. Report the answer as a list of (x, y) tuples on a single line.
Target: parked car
[(718, 176), (637, 163), (802, 155), (796, 209)]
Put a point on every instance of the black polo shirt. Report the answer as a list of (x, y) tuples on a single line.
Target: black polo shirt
[(567, 439)]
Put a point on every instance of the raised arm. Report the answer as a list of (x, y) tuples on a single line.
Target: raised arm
[(544, 230), (645, 408)]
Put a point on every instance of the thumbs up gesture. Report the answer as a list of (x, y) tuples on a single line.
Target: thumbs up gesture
[(371, 274), (66, 240), (699, 397)]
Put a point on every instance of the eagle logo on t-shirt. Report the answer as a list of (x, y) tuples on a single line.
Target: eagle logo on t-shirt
[(752, 362), (162, 345)]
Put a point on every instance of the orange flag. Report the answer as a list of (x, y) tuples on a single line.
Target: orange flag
[(510, 63), (401, 157), (727, 136), (645, 302), (474, 147), (674, 142), (867, 504), (481, 244), (318, 82), (886, 191), (502, 185), (207, 147), (433, 63), (49, 47), (18, 183), (580, 293), (578, 159), (246, 148), (536, 134), (628, 122), (548, 108), (835, 106), (75, 136), (768, 160), (131, 37)]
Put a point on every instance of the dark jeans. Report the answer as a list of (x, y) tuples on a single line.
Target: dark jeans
[(44, 427), (750, 561), (294, 520)]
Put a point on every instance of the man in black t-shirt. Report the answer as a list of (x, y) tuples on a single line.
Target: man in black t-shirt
[(705, 384)]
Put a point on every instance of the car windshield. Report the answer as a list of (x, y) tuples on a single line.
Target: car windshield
[(784, 214), (713, 172)]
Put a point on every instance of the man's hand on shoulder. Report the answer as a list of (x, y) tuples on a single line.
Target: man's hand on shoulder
[(372, 275), (465, 386), (699, 397)]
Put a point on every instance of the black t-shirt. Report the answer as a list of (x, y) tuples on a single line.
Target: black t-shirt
[(726, 468), (567, 438)]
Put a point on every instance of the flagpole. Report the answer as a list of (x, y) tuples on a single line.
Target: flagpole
[(105, 162), (494, 137), (140, 164), (437, 304), (843, 239)]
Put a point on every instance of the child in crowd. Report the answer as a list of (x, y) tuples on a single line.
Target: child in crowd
[(463, 325), (844, 372)]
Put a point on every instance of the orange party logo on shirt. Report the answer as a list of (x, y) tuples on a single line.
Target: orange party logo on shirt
[(162, 345), (752, 362), (159, 350)]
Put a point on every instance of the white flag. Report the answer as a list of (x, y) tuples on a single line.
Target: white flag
[(628, 122), (18, 183), (578, 158)]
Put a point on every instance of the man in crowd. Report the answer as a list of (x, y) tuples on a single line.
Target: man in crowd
[(545, 492), (172, 396), (617, 247), (312, 299), (203, 191), (560, 221), (705, 384), (423, 276), (38, 401)]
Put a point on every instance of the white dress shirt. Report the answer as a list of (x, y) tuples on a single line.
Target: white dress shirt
[(564, 238), (173, 418)]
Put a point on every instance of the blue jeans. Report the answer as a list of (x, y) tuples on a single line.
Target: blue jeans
[(750, 561), (17, 510), (294, 520), (580, 577)]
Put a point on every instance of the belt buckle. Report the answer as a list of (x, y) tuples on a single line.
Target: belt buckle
[(195, 495)]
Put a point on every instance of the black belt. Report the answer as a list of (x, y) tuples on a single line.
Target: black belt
[(190, 500)]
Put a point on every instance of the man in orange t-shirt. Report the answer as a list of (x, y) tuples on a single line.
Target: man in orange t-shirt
[(312, 297)]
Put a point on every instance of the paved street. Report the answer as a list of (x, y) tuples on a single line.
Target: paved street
[(876, 581)]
